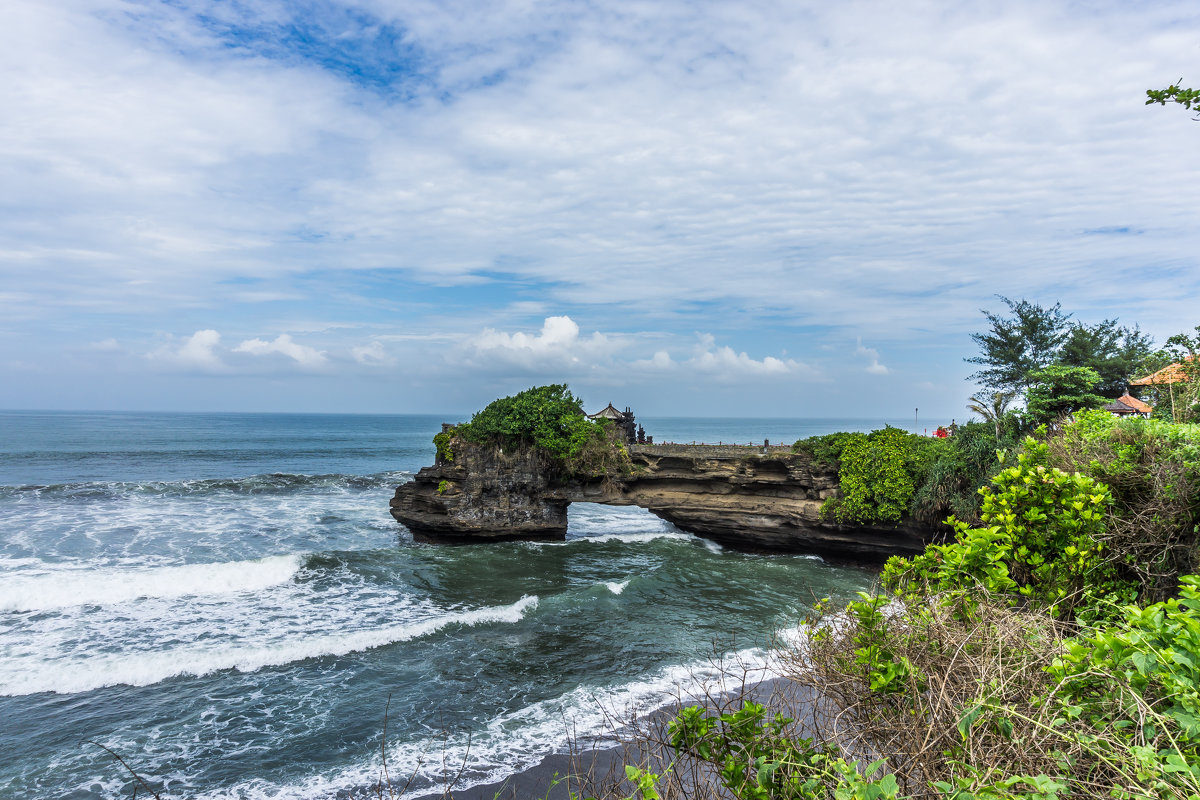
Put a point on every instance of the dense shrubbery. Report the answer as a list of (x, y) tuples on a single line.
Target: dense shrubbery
[(888, 473), (1034, 657), (1041, 544), (549, 418)]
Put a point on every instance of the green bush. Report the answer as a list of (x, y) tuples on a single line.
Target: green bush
[(550, 419), (1152, 469), (886, 474), (757, 758), (959, 467), (1041, 543), (825, 450), (875, 478)]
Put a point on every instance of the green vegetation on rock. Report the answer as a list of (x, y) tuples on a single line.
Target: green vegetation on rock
[(887, 474), (550, 419)]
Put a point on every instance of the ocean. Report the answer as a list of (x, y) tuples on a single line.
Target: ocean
[(223, 601)]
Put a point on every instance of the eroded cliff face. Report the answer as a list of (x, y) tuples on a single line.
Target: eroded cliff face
[(484, 494), (739, 497)]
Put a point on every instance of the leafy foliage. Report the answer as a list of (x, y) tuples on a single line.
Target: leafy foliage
[(551, 419), (1034, 338), (875, 481), (758, 758), (1152, 470), (992, 409), (1154, 654), (888, 473), (445, 451), (1175, 93), (1059, 390), (1015, 346), (825, 450), (1040, 545), (1114, 352)]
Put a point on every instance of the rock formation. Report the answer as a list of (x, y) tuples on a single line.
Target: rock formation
[(743, 497)]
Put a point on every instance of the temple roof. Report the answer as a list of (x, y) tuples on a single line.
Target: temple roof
[(608, 413)]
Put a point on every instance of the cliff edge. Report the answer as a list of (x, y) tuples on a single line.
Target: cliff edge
[(743, 497)]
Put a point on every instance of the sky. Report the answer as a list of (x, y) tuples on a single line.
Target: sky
[(692, 208)]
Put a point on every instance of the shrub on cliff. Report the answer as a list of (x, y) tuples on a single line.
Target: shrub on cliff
[(551, 419), (887, 473), (1152, 469), (875, 476), (1041, 544)]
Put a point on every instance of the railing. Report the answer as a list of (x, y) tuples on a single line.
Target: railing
[(709, 449)]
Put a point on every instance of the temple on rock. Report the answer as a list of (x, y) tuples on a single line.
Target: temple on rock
[(622, 419)]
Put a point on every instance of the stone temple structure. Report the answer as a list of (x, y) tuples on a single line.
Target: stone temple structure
[(622, 419)]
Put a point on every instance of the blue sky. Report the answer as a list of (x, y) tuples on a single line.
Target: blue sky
[(695, 208)]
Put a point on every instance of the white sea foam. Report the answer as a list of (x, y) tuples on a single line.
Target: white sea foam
[(19, 676), (617, 588), (628, 538), (63, 588), (518, 740)]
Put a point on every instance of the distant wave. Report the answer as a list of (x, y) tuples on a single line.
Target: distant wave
[(628, 538), (273, 483), (19, 677), (64, 588)]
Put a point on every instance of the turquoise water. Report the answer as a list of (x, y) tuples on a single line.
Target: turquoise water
[(224, 601)]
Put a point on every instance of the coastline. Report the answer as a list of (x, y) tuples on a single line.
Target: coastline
[(597, 769)]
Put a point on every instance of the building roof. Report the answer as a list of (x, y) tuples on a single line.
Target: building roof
[(1135, 404), (1118, 407), (1172, 373), (608, 413)]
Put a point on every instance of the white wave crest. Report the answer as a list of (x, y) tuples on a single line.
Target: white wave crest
[(617, 587), (69, 676), (519, 739), (64, 588), (628, 538)]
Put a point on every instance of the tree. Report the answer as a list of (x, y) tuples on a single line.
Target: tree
[(1034, 338), (993, 409), (1018, 345), (1059, 390), (1116, 353)]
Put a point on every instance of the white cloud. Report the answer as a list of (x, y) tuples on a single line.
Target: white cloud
[(109, 345), (725, 362), (371, 355), (198, 351), (853, 166), (557, 345), (283, 344), (871, 355), (722, 363)]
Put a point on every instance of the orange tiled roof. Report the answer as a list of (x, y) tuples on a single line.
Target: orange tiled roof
[(1172, 373), (1135, 404)]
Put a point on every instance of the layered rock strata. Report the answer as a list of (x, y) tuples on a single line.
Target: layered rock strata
[(741, 497)]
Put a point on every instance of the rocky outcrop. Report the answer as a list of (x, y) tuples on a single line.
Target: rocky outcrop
[(742, 497), (484, 494)]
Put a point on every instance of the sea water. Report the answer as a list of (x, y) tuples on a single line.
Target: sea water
[(223, 601)]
